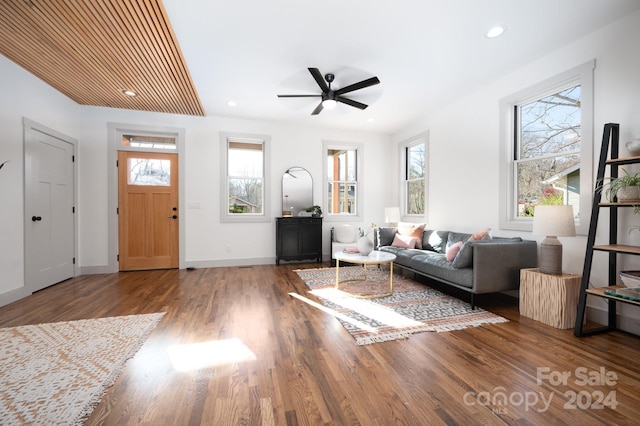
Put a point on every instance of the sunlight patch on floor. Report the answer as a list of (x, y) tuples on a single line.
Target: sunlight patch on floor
[(375, 311), (334, 313), (195, 356)]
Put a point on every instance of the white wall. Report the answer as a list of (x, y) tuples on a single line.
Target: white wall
[(22, 95), (465, 142), (206, 238)]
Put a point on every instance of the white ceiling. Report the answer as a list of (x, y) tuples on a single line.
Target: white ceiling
[(425, 52)]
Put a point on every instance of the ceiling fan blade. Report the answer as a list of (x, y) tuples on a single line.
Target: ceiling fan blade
[(351, 102), (318, 109), (317, 75), (360, 85), (299, 96)]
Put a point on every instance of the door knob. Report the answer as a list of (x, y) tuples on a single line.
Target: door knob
[(36, 218)]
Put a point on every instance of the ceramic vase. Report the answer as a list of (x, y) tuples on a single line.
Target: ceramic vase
[(365, 245)]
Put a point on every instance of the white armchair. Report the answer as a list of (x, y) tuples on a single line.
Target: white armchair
[(343, 236)]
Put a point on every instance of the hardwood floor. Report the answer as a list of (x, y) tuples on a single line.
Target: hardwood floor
[(308, 371)]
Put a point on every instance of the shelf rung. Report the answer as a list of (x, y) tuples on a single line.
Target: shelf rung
[(618, 248), (623, 160)]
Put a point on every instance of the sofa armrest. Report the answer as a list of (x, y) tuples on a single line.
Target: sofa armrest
[(496, 267)]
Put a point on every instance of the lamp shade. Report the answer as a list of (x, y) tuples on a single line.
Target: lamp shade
[(392, 214), (554, 220)]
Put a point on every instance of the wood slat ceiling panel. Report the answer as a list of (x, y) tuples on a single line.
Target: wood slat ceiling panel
[(92, 50)]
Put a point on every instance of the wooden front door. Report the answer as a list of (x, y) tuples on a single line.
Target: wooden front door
[(147, 210)]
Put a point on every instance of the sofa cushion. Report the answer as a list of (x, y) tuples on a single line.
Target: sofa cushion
[(385, 235), (403, 255), (412, 230), (464, 258), (436, 265), (434, 240), (454, 237)]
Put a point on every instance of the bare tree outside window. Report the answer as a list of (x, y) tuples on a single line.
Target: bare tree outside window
[(415, 179), (548, 147), (148, 171), (245, 177)]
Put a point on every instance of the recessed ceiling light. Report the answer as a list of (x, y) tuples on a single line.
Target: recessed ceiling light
[(495, 31), (370, 120), (232, 103), (130, 93)]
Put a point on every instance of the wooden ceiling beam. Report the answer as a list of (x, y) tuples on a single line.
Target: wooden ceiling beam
[(91, 51)]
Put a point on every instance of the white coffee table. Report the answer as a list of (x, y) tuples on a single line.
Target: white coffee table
[(374, 258)]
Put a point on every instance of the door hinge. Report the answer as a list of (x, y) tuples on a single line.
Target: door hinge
[(118, 258), (73, 158), (117, 163), (117, 210), (74, 260), (73, 209)]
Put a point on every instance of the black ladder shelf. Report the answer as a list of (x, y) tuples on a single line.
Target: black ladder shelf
[(610, 141)]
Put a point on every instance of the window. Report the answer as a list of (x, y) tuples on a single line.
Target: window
[(342, 165), (151, 142), (244, 180), (149, 171), (548, 145), (414, 192)]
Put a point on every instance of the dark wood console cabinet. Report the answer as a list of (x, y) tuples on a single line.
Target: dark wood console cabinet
[(298, 238)]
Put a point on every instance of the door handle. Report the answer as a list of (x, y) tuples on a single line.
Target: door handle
[(173, 217), (36, 218)]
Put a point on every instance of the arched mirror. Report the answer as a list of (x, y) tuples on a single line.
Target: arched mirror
[(297, 191)]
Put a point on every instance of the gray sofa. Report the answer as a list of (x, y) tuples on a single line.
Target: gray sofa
[(482, 266)]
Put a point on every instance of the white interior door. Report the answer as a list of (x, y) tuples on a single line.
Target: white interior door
[(49, 207)]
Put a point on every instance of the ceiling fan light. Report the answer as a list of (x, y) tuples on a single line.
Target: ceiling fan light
[(329, 104)]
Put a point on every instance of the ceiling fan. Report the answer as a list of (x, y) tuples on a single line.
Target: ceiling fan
[(330, 96)]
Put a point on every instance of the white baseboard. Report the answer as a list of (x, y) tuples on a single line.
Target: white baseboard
[(229, 262), (94, 270), (13, 295)]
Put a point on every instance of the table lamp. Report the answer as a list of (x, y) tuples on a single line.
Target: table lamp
[(392, 215), (553, 221)]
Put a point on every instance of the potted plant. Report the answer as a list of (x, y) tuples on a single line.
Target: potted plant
[(625, 188), (316, 211)]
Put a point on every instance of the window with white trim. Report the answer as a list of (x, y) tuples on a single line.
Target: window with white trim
[(244, 183), (414, 176), (342, 164), (547, 148)]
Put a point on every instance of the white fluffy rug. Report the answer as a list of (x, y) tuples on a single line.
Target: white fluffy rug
[(55, 374)]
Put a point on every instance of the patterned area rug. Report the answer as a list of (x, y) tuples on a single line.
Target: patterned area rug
[(55, 374), (412, 308)]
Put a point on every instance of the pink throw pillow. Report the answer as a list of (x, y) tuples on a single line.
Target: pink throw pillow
[(453, 250), (404, 241)]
